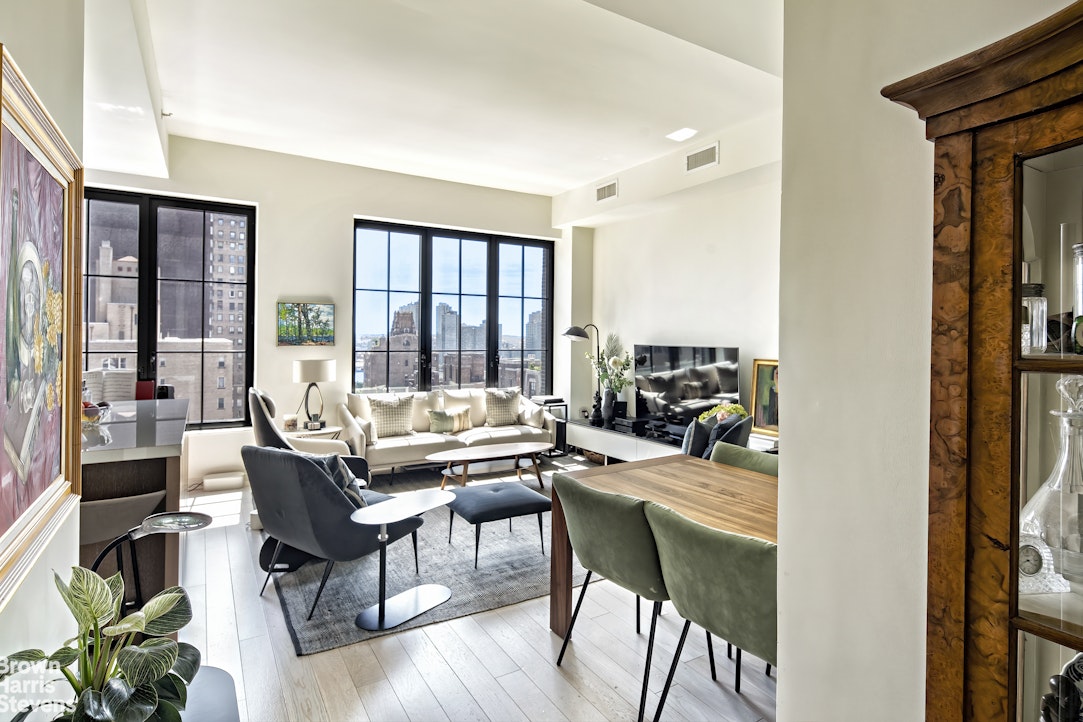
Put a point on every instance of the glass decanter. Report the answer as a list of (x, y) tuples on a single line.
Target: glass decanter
[(1052, 514)]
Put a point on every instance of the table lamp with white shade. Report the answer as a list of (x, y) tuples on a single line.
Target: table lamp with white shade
[(312, 371)]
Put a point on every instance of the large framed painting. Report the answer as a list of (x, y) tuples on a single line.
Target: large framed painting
[(306, 324), (765, 397), (41, 193)]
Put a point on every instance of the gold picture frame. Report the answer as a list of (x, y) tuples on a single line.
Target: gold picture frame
[(764, 401), (41, 196)]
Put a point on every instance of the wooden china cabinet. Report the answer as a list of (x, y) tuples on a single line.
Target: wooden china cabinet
[(1007, 123)]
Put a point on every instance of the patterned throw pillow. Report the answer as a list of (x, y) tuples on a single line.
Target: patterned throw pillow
[(451, 421), (392, 417), (501, 407)]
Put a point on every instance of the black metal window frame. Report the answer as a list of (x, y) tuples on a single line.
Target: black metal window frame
[(493, 242), (146, 338)]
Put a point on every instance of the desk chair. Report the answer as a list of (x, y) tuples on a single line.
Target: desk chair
[(724, 582), (610, 535)]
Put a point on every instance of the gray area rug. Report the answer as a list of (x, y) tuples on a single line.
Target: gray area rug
[(511, 566)]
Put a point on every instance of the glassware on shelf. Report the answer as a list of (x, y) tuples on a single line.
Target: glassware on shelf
[(1052, 515), (1035, 315)]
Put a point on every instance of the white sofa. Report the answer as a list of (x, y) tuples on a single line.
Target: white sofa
[(534, 423)]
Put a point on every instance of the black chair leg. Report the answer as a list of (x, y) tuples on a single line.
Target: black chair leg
[(729, 650), (575, 614), (541, 533), (647, 668), (326, 573), (417, 568), (637, 614), (768, 669), (737, 674), (477, 542), (450, 523), (672, 671), (271, 566), (710, 656)]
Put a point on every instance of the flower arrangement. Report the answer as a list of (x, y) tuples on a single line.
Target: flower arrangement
[(729, 409), (612, 365)]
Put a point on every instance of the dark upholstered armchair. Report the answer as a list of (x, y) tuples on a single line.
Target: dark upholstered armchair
[(303, 506)]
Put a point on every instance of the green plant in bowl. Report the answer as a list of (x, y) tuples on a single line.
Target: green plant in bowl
[(728, 408), (121, 668)]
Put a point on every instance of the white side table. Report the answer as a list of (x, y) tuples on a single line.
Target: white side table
[(405, 605), (327, 432)]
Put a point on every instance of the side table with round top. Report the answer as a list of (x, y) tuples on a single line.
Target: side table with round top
[(406, 605), (464, 456)]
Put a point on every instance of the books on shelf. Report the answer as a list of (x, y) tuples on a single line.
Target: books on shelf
[(543, 400)]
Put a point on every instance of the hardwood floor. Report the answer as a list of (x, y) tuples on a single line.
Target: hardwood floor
[(498, 665)]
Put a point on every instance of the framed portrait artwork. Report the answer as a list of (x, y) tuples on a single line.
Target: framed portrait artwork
[(306, 324), (41, 191), (765, 397)]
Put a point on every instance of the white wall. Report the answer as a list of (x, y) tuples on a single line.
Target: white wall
[(697, 268), (45, 38), (854, 339), (304, 234)]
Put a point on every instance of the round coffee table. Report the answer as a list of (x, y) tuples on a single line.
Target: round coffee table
[(468, 455)]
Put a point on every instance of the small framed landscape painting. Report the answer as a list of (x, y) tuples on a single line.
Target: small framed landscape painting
[(765, 397), (306, 324)]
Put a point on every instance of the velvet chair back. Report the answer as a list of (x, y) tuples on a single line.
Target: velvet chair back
[(724, 582), (610, 536), (745, 458)]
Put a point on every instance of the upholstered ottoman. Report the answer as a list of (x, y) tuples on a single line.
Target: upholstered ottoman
[(491, 502)]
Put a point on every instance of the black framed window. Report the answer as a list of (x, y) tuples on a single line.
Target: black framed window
[(153, 290), (446, 309)]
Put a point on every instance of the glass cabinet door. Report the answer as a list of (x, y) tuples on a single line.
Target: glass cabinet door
[(1048, 546)]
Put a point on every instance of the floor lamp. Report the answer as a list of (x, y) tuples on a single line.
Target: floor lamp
[(579, 333)]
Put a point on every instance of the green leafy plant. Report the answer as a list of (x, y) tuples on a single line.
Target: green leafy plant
[(116, 679), (612, 365), (728, 408)]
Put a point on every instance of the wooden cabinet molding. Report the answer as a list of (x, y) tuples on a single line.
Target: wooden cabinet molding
[(981, 110)]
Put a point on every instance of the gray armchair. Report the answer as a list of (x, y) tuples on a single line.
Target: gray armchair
[(302, 506), (262, 408)]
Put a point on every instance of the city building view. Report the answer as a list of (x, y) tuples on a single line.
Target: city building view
[(199, 303), (390, 361)]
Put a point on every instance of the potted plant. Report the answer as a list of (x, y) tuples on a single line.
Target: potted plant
[(121, 668), (715, 414), (611, 366)]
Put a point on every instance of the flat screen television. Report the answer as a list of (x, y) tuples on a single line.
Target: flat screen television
[(682, 372)]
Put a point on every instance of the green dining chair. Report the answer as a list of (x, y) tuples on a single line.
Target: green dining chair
[(610, 536), (731, 455), (724, 582)]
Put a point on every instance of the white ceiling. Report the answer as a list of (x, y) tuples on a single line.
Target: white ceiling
[(539, 96)]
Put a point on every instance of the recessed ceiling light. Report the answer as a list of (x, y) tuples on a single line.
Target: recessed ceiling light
[(682, 134)]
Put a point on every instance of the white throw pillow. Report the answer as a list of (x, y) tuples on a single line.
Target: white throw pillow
[(530, 414)]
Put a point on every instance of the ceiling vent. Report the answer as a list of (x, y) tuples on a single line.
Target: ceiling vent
[(702, 158), (609, 190)]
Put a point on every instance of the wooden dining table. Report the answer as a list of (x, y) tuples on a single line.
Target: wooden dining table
[(719, 496)]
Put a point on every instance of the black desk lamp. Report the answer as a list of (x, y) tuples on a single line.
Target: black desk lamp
[(577, 333), (166, 522)]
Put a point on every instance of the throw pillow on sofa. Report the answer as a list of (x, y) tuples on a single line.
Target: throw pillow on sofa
[(695, 438), (451, 421), (694, 390), (532, 415), (392, 417), (501, 407)]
